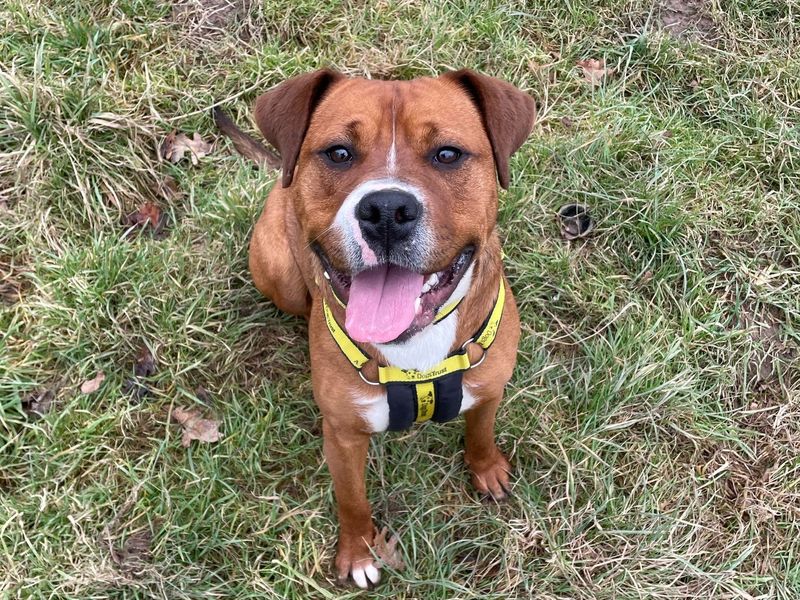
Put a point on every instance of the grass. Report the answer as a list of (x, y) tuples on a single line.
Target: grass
[(653, 416)]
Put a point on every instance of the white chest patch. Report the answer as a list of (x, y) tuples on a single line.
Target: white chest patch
[(424, 350)]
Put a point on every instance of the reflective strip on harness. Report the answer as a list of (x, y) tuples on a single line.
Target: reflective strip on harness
[(486, 337), (457, 362), (425, 401), (348, 347)]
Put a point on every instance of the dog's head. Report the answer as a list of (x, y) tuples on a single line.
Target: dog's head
[(394, 183)]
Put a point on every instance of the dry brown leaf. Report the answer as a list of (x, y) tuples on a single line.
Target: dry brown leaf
[(176, 145), (149, 212), (386, 550), (92, 385), (195, 427), (149, 218), (594, 71)]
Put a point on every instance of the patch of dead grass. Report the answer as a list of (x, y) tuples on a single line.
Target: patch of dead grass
[(13, 283)]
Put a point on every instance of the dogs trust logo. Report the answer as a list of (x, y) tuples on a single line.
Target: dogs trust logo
[(425, 403)]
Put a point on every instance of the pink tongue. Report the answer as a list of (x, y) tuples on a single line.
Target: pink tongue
[(381, 304)]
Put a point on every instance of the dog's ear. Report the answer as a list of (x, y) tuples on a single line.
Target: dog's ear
[(283, 114), (508, 114)]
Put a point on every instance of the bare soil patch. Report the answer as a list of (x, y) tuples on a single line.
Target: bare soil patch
[(688, 19), (211, 18)]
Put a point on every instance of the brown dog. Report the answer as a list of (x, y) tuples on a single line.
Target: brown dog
[(383, 233)]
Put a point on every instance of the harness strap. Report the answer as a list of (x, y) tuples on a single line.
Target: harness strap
[(454, 362), (488, 331), (348, 347), (423, 395)]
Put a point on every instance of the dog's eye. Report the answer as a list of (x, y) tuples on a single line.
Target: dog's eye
[(339, 154), (447, 155)]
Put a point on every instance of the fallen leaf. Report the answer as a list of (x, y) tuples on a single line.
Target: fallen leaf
[(386, 550), (38, 403), (567, 122), (594, 71), (195, 427), (148, 217), (90, 386), (176, 145), (148, 213)]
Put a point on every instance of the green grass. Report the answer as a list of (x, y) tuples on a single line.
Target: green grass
[(653, 416)]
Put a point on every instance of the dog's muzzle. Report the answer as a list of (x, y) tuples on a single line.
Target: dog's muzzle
[(388, 218)]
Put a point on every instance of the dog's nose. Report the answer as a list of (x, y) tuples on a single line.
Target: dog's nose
[(388, 216)]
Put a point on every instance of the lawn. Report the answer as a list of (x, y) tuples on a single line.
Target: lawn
[(654, 416)]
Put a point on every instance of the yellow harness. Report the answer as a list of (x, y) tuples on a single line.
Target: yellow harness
[(417, 396)]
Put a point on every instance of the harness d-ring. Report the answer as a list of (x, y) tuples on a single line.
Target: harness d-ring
[(483, 352), (367, 381)]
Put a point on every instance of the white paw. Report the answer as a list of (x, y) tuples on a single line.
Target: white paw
[(363, 575)]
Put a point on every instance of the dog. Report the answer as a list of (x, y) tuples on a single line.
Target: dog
[(382, 233)]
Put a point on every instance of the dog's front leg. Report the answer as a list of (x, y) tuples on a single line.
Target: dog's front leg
[(346, 455), (490, 469)]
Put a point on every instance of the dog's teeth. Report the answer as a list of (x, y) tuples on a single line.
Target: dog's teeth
[(417, 306), (432, 281), (426, 288), (326, 275)]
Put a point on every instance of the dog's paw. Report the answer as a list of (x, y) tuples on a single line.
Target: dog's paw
[(491, 476), (364, 572), (354, 560), (361, 561)]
